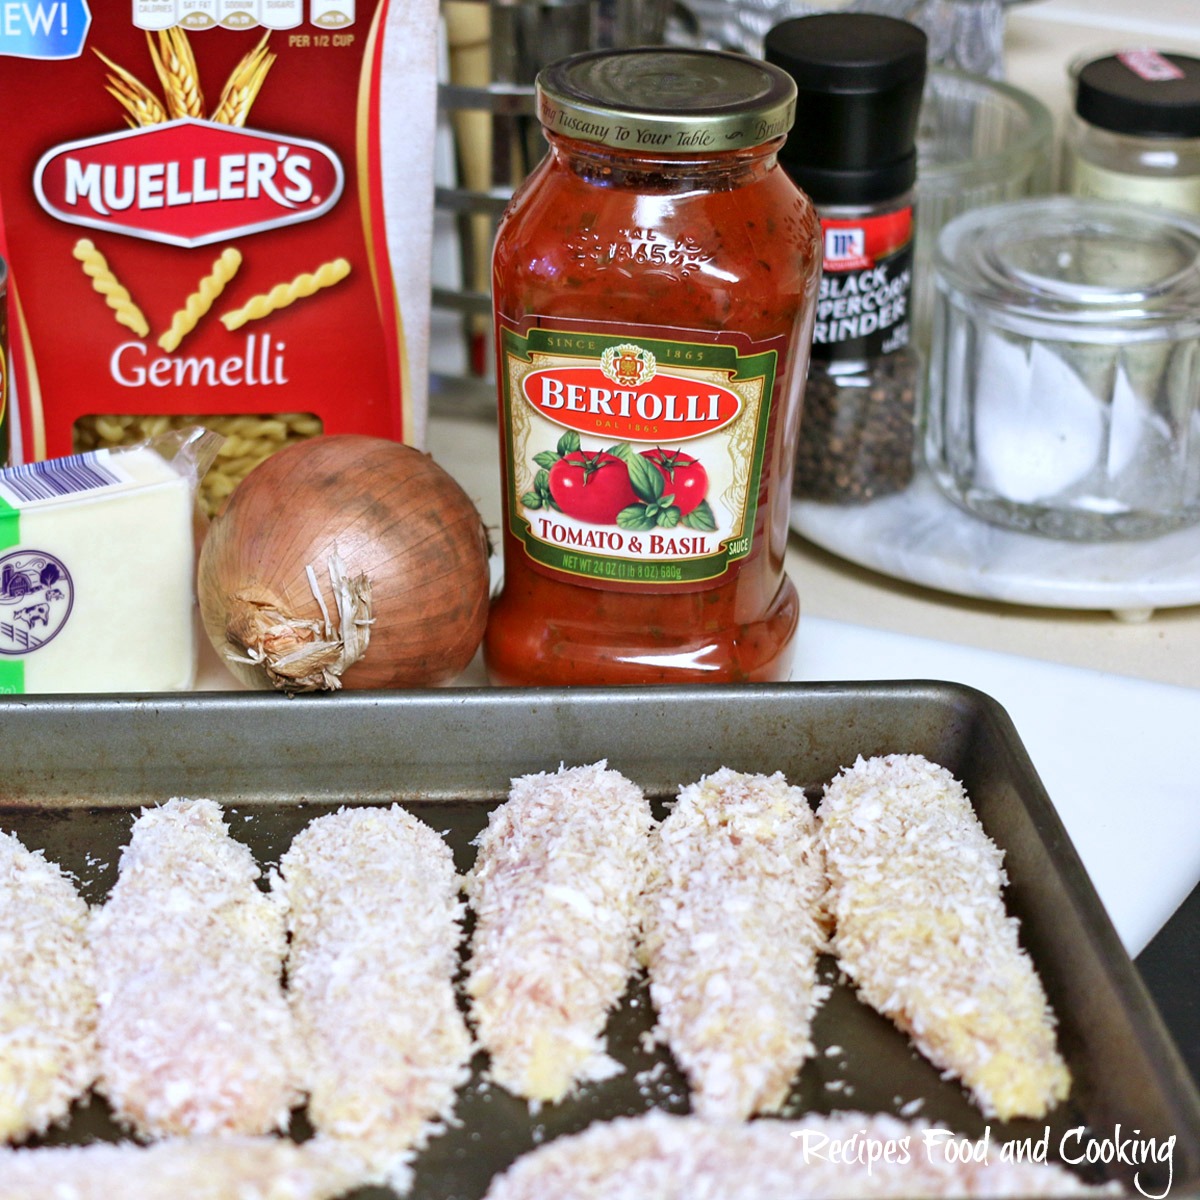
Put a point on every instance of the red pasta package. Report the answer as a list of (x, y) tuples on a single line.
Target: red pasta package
[(218, 212)]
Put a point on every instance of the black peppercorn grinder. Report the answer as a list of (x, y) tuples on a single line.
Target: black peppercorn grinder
[(860, 79)]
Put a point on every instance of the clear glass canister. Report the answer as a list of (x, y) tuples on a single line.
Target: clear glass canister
[(1134, 133), (1064, 387), (654, 283)]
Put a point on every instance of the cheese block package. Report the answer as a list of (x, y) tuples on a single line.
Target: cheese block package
[(217, 212), (97, 568)]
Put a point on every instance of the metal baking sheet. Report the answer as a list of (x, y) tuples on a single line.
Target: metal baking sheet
[(74, 770)]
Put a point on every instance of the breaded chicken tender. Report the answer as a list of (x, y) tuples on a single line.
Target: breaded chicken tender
[(921, 929), (194, 1030), (732, 939), (47, 993), (657, 1156), (218, 1168), (374, 915), (557, 893)]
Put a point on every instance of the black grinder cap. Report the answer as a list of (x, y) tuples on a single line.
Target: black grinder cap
[(860, 78)]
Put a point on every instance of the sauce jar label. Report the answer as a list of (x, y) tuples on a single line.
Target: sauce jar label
[(866, 286), (634, 461)]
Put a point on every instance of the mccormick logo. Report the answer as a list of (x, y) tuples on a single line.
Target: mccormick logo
[(188, 182), (614, 398), (845, 247)]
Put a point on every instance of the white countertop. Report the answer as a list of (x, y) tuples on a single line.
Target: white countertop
[(1113, 753), (1044, 35)]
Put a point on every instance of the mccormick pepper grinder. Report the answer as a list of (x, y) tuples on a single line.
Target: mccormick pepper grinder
[(860, 79)]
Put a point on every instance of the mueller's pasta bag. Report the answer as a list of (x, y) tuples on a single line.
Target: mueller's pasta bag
[(217, 211)]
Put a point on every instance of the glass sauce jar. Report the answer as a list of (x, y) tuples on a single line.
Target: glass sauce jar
[(654, 288)]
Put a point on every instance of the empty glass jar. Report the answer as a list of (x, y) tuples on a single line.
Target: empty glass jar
[(1064, 389)]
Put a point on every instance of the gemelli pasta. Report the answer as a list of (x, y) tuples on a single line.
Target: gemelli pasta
[(202, 299), (248, 440), (116, 296)]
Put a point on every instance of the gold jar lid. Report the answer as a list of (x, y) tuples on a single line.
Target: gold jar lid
[(659, 100)]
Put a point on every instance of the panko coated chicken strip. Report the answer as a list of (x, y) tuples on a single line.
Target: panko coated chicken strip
[(374, 915), (218, 1168), (47, 993), (194, 1029), (844, 1156), (557, 893), (921, 929), (732, 939)]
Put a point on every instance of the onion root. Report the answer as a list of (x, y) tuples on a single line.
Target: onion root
[(301, 655)]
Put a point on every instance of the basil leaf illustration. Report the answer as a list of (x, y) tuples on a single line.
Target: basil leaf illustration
[(701, 517), (635, 518), (646, 478)]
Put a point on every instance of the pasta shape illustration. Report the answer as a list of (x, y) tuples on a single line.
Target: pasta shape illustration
[(202, 299), (283, 294), (96, 268)]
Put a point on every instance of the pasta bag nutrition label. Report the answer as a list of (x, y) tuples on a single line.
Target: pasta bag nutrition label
[(243, 14)]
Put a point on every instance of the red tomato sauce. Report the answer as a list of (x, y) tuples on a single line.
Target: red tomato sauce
[(706, 249)]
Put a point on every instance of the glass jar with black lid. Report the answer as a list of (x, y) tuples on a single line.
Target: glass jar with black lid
[(1134, 132)]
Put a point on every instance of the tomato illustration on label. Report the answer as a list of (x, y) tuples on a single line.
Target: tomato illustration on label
[(651, 489), (685, 476), (591, 487)]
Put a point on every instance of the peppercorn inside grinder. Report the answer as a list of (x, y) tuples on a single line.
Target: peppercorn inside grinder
[(859, 80)]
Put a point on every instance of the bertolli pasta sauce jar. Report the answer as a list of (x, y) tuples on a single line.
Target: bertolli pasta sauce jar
[(653, 284)]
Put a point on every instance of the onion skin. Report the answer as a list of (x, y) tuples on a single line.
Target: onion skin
[(394, 518)]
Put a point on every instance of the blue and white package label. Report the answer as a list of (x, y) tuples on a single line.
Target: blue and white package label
[(50, 29)]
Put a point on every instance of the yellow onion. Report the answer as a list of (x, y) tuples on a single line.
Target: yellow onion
[(345, 561)]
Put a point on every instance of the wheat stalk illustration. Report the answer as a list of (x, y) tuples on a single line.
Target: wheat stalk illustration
[(175, 66), (141, 105), (243, 85)]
